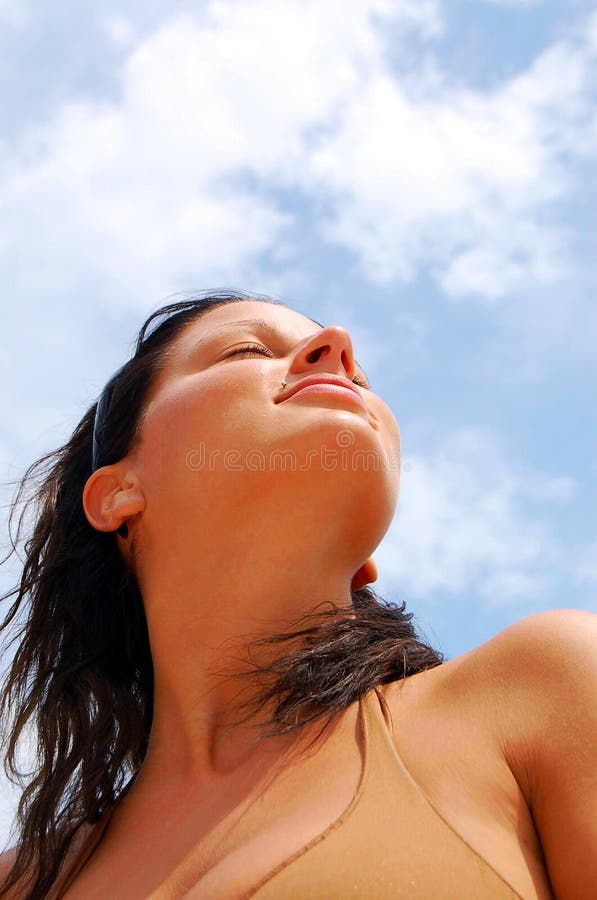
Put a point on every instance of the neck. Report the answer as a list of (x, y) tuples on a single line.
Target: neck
[(202, 615)]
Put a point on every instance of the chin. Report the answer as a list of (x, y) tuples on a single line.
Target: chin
[(340, 440)]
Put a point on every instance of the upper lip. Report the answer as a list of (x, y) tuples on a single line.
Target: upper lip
[(319, 379)]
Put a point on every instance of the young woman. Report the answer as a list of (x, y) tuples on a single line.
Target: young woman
[(224, 709)]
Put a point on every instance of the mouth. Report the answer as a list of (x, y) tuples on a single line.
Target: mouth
[(328, 384)]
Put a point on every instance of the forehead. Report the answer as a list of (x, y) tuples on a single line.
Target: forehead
[(224, 319)]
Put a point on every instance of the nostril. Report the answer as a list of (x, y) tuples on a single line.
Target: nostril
[(315, 354)]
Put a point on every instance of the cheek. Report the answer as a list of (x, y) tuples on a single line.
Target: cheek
[(389, 430), (397, 439), (190, 419), (393, 452)]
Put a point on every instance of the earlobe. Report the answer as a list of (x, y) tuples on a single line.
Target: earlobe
[(110, 497), (365, 575)]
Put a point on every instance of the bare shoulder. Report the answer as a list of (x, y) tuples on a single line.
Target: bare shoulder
[(530, 660), (540, 676), (536, 682), (538, 660), (535, 686)]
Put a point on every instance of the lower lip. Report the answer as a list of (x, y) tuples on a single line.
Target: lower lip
[(325, 388)]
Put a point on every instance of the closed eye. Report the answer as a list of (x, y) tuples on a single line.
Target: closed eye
[(251, 348)]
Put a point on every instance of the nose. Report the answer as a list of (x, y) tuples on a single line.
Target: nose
[(329, 350)]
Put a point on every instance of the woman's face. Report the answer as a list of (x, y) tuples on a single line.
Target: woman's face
[(222, 444)]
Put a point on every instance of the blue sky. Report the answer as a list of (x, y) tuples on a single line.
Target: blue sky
[(420, 172)]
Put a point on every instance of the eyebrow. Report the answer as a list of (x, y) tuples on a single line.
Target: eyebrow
[(257, 324)]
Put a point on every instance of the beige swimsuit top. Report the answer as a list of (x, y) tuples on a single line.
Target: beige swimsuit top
[(390, 842)]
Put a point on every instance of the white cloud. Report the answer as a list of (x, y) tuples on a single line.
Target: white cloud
[(119, 29), (512, 4), (170, 185), (157, 192), (465, 182), (174, 184), (463, 524)]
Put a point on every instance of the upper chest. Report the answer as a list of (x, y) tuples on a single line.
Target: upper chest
[(452, 760)]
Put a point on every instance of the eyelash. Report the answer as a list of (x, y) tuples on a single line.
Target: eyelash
[(257, 348), (254, 347)]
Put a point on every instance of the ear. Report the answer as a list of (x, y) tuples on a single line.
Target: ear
[(111, 495), (365, 575)]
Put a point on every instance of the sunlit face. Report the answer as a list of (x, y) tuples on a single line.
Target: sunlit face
[(220, 435)]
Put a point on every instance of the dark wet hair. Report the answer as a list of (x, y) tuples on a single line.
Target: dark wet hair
[(82, 672)]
